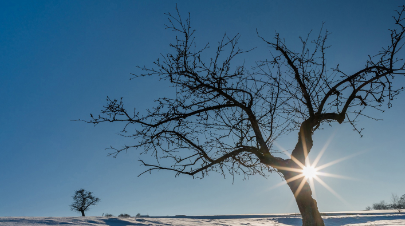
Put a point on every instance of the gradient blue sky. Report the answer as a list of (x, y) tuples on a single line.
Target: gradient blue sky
[(60, 59)]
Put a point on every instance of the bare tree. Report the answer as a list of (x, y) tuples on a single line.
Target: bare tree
[(401, 202), (124, 215), (83, 200), (381, 205), (397, 202), (225, 118)]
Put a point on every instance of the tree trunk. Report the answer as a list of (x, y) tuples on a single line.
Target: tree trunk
[(301, 189), (306, 204), (82, 213)]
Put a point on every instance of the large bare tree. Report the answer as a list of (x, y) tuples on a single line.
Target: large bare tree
[(225, 118)]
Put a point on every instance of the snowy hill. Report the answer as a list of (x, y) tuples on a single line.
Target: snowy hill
[(359, 218)]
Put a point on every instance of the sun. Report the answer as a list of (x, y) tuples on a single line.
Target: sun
[(309, 172)]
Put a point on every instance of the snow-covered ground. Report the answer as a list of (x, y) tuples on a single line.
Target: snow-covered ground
[(362, 218)]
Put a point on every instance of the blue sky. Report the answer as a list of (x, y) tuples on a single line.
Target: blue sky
[(59, 60)]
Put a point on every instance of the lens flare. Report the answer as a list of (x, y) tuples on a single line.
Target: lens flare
[(310, 172)]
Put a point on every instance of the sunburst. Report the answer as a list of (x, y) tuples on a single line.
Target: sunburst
[(311, 172)]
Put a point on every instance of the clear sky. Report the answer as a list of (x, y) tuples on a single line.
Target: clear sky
[(60, 59)]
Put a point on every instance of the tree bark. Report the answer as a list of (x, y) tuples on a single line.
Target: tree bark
[(299, 186), (82, 213), (303, 196)]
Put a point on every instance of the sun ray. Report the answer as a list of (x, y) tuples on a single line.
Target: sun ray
[(322, 150), (300, 186), (294, 178), (296, 161), (331, 190), (304, 147), (289, 155), (288, 181), (311, 183), (337, 161), (335, 175), (289, 169)]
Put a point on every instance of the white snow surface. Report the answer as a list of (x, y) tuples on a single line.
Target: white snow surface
[(362, 218)]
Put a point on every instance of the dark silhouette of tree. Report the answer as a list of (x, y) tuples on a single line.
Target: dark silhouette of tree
[(401, 202), (82, 200), (225, 118), (108, 215), (381, 205), (397, 202)]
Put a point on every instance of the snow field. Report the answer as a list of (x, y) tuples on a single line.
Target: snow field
[(369, 218)]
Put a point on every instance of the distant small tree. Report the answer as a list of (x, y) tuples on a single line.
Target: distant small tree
[(398, 203), (108, 215), (368, 208), (83, 200), (380, 206), (138, 215), (395, 202), (124, 215), (402, 201)]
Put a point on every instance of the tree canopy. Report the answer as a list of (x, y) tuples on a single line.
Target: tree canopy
[(226, 117), (82, 200)]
